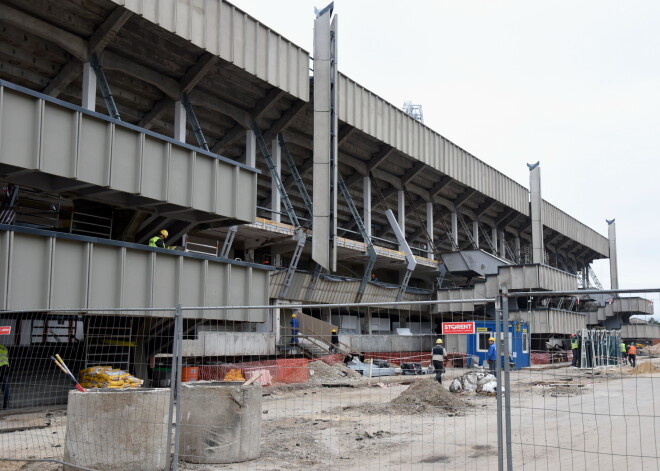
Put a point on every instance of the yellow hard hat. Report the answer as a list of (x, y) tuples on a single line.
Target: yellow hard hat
[(164, 233), (293, 315), (438, 341), (334, 330), (492, 339)]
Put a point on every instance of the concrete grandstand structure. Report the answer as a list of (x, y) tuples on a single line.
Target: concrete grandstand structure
[(196, 94)]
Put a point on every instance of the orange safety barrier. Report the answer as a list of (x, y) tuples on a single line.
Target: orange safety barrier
[(189, 373), (281, 371)]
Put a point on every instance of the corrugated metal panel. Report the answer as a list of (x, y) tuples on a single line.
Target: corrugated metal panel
[(561, 222), (371, 114), (222, 29), (334, 292), (48, 271), (552, 321), (41, 134), (634, 305), (640, 331)]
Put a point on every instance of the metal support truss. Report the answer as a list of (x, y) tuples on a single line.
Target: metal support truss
[(105, 88), (298, 235), (226, 247), (296, 176), (371, 251), (192, 117)]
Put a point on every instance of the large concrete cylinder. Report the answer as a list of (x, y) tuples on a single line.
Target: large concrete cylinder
[(220, 422), (116, 430)]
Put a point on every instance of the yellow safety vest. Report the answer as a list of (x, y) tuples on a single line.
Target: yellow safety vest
[(4, 356), (574, 344), (152, 241)]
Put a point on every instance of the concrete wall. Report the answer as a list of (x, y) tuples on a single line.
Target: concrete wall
[(230, 344), (389, 343), (640, 331)]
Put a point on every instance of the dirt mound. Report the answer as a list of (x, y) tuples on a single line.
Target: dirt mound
[(320, 372), (645, 368), (425, 395)]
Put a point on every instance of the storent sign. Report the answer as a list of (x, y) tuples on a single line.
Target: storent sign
[(5, 330), (457, 328)]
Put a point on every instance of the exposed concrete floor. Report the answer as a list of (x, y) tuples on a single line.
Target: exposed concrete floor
[(562, 419)]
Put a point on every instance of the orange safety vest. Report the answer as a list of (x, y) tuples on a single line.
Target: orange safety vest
[(632, 350)]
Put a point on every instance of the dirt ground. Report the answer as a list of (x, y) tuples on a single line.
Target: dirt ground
[(561, 418)]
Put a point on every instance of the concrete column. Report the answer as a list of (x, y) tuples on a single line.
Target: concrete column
[(401, 213), (475, 232), (250, 148), (493, 236), (366, 203), (535, 205), (277, 328), (368, 322), (89, 87), (429, 227), (614, 272), (516, 246), (502, 250), (454, 227), (275, 201), (179, 121)]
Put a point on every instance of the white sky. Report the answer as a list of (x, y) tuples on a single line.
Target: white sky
[(575, 85)]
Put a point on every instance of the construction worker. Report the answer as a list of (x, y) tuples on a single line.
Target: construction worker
[(575, 348), (159, 240), (4, 375), (438, 354), (334, 342), (624, 353), (632, 354), (491, 356), (294, 329)]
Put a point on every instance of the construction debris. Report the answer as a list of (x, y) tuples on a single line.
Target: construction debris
[(426, 395), (644, 368), (320, 372), (475, 381)]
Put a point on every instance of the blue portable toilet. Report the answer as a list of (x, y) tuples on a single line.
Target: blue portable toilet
[(477, 343)]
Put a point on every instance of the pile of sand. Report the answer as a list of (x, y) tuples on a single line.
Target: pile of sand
[(645, 368), (426, 395), (320, 372), (653, 351)]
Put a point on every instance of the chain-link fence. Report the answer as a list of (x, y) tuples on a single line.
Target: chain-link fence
[(350, 386)]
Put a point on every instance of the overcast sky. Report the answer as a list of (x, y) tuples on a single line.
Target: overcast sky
[(575, 85)]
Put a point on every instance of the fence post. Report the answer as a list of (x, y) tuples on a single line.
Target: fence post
[(175, 381), (178, 339), (507, 379), (498, 373)]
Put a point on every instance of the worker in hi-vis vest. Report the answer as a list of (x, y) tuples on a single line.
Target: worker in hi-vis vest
[(4, 375), (624, 353), (438, 354), (632, 354), (159, 240), (575, 348)]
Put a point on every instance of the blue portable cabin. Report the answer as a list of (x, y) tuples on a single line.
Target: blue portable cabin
[(477, 343)]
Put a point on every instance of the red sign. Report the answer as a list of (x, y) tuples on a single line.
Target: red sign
[(5, 330), (457, 328)]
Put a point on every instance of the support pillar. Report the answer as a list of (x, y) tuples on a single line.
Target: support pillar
[(275, 201), (454, 227), (502, 249), (614, 272), (535, 206), (475, 232), (251, 150), (516, 247), (366, 203), (429, 228), (179, 121), (89, 87), (493, 235), (401, 213)]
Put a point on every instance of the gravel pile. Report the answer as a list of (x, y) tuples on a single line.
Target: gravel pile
[(320, 372), (645, 368), (426, 395)]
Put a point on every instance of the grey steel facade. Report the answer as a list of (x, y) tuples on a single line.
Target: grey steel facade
[(246, 84)]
